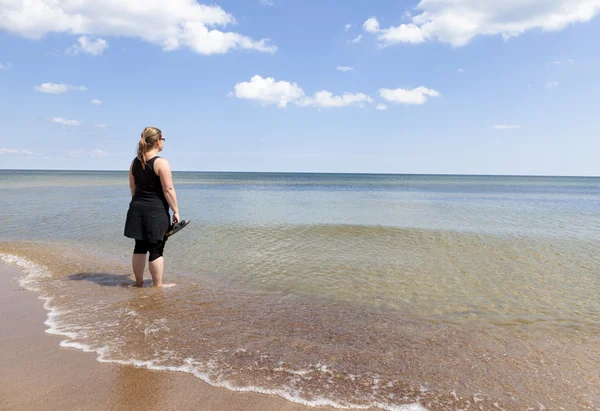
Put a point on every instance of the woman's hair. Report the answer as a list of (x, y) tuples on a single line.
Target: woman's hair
[(150, 137)]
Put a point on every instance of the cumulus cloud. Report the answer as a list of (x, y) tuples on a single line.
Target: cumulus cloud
[(418, 95), (325, 99), (100, 125), (457, 22), (552, 84), (85, 45), (461, 70), (505, 126), (184, 23), (371, 25), (344, 68), (267, 2), (64, 121), (5, 66), (381, 107), (268, 91), (347, 27), (96, 102), (356, 39), (281, 93), (53, 88)]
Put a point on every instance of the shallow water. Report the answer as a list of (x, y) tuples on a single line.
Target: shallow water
[(349, 290)]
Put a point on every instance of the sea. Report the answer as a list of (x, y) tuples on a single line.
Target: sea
[(397, 292)]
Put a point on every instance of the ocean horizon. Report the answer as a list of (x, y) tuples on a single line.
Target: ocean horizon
[(315, 172)]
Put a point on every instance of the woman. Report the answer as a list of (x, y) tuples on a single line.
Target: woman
[(151, 184)]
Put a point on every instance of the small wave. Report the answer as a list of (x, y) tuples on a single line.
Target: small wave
[(34, 271)]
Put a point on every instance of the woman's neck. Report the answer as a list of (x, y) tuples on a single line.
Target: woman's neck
[(151, 153)]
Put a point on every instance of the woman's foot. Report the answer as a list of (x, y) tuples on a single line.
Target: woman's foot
[(168, 285)]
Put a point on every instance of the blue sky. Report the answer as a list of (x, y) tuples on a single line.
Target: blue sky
[(449, 87)]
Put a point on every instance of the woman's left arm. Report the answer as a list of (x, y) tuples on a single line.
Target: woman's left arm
[(131, 181)]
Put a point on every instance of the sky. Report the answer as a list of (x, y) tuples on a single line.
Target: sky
[(404, 86)]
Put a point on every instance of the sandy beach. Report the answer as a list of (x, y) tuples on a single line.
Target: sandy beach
[(37, 373)]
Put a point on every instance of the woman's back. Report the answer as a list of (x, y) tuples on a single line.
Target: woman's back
[(147, 182)]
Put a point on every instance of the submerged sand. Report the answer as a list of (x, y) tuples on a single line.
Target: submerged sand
[(38, 374), (468, 367)]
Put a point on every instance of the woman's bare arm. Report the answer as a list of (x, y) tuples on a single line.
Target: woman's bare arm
[(163, 170), (131, 180)]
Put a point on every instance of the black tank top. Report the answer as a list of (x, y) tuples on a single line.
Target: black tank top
[(147, 182)]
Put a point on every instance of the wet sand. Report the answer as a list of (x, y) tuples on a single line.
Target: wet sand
[(37, 373)]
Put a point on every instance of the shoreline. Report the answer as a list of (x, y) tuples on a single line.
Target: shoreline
[(37, 373)]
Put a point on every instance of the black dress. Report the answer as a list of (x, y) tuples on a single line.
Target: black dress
[(148, 214)]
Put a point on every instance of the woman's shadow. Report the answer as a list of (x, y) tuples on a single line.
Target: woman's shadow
[(108, 280)]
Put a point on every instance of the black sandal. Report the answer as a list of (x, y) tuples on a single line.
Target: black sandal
[(175, 228)]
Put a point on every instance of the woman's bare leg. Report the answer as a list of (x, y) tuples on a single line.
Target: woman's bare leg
[(156, 270), (138, 262)]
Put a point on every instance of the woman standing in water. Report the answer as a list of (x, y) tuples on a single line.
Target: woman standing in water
[(152, 192)]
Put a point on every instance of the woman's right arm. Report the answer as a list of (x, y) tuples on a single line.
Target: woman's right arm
[(131, 180), (163, 170)]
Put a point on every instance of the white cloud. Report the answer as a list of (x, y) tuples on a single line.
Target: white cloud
[(184, 23), (268, 91), (460, 70), (371, 25), (344, 68), (381, 107), (85, 45), (347, 27), (457, 22), (96, 102), (14, 151), (100, 125), (5, 66), (417, 95), (505, 126), (552, 84), (97, 153), (325, 99), (54, 88), (355, 40), (63, 121), (568, 61), (267, 2)]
